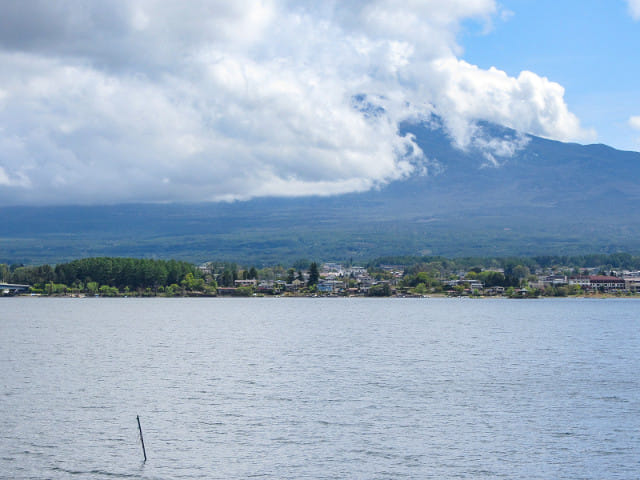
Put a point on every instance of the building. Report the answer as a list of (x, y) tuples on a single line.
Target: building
[(632, 284), (582, 280), (606, 283), (494, 291), (330, 286), (12, 289)]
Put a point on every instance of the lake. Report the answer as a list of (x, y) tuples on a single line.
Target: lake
[(299, 388)]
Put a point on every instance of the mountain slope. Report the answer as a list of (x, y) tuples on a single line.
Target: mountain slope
[(549, 197)]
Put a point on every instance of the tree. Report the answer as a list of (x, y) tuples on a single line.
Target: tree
[(227, 278), (243, 292), (291, 275), (191, 283), (107, 291), (575, 289), (314, 274), (493, 279), (4, 272), (92, 287), (520, 272), (211, 287), (381, 290), (420, 289), (458, 289)]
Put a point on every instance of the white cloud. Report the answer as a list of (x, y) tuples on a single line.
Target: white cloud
[(528, 103), (120, 101), (634, 9)]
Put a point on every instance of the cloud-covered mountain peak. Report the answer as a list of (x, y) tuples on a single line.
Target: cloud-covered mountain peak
[(114, 101)]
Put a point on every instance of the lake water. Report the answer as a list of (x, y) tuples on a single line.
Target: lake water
[(319, 388)]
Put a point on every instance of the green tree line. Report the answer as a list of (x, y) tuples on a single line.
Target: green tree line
[(610, 261), (120, 273)]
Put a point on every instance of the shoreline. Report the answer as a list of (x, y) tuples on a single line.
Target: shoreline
[(391, 297)]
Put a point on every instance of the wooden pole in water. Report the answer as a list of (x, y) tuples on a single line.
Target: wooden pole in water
[(141, 439)]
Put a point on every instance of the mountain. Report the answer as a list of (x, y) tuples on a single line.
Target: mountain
[(548, 197)]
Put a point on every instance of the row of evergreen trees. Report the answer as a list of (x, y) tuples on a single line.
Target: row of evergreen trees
[(121, 273), (95, 275)]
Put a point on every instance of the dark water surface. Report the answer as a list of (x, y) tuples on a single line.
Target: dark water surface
[(320, 388)]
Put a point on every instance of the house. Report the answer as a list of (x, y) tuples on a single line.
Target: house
[(334, 268), (266, 286), (365, 281), (295, 285), (330, 286), (550, 281), (494, 291), (356, 271), (555, 280)]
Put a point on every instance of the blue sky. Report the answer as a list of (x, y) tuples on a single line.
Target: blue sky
[(590, 47), (115, 101)]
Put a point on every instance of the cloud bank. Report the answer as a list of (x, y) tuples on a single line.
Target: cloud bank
[(125, 101)]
